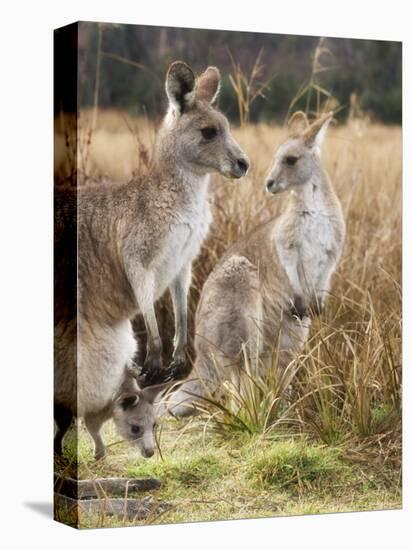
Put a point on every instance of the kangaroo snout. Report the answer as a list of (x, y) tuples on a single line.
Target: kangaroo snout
[(147, 452), (273, 186), (269, 184), (243, 166), (239, 168)]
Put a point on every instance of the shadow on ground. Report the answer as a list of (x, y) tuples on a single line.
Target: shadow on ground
[(43, 508)]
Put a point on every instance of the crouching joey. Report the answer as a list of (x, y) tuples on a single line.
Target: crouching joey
[(134, 415)]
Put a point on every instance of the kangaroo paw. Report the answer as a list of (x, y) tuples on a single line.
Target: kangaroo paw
[(179, 369), (100, 454), (151, 372), (153, 376), (299, 307)]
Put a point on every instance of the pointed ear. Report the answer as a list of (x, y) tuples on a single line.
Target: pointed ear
[(150, 393), (208, 85), (180, 85), (316, 132), (127, 400), (297, 124)]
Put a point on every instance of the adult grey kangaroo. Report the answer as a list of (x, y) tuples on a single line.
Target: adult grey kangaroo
[(135, 241)]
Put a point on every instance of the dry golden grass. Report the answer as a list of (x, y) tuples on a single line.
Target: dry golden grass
[(348, 385), (362, 324)]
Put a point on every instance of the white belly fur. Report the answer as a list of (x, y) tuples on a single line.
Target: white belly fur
[(102, 358), (315, 247), (305, 255)]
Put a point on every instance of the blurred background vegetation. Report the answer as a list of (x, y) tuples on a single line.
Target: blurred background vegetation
[(123, 67)]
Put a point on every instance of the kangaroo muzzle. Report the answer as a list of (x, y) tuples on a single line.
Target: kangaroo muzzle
[(241, 168)]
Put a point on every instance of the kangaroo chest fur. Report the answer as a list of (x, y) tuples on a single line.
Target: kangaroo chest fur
[(316, 247), (183, 240), (308, 245)]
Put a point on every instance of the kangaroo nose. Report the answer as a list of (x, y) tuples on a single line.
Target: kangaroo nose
[(243, 165), (269, 184), (147, 453)]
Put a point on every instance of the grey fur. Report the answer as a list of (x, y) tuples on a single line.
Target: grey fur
[(134, 242), (264, 290)]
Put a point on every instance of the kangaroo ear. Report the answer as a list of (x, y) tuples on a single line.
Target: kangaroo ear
[(316, 132), (297, 124), (208, 85), (127, 401), (150, 393), (180, 85)]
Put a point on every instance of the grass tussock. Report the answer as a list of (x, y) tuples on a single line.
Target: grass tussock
[(328, 436), (297, 463)]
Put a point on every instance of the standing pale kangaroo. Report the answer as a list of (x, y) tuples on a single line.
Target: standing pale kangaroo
[(135, 241), (268, 284)]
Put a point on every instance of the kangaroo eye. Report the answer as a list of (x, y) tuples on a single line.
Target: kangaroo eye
[(135, 429), (209, 133), (291, 160)]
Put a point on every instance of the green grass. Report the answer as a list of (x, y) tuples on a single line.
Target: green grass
[(207, 476), (294, 463)]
